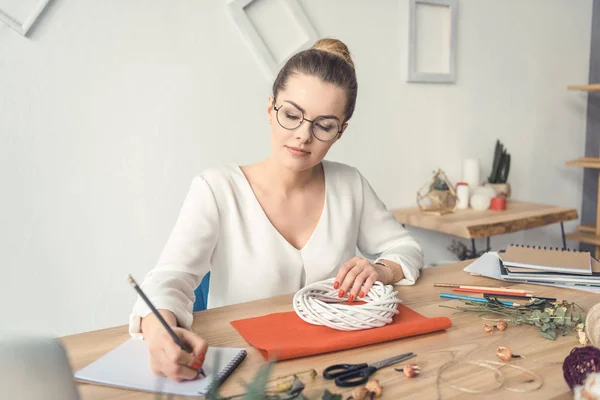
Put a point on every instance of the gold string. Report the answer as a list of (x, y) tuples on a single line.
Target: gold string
[(514, 389), (497, 372), (500, 378)]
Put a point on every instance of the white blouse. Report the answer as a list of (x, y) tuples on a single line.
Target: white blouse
[(223, 229)]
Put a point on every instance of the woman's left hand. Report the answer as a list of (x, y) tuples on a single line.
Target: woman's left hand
[(356, 276)]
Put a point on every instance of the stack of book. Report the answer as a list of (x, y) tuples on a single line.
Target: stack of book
[(527, 264)]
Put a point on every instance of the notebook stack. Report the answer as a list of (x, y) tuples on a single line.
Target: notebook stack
[(549, 266)]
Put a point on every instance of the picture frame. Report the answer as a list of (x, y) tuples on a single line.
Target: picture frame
[(23, 27), (269, 65), (446, 76)]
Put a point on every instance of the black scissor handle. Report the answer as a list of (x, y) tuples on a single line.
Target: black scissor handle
[(356, 377), (336, 370)]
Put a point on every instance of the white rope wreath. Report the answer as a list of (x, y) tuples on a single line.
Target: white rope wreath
[(317, 305)]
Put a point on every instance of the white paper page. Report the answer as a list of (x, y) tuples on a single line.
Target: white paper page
[(127, 366)]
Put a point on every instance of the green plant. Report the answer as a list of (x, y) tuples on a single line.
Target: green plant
[(500, 165), (440, 184), (550, 317), (280, 388)]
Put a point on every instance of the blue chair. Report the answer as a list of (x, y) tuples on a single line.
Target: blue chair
[(201, 293)]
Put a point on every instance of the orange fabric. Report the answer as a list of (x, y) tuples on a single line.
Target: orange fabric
[(283, 336)]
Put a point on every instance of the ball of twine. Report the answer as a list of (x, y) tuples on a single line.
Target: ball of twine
[(579, 363), (592, 325), (319, 304)]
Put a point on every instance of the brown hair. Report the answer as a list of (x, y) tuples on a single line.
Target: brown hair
[(328, 59)]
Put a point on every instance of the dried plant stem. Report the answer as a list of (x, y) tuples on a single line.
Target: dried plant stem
[(291, 375)]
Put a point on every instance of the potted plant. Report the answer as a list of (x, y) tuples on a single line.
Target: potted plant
[(500, 168)]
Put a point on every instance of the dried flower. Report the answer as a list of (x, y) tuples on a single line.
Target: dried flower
[(583, 340), (313, 374), (552, 318), (504, 353), (501, 325), (487, 328), (411, 370), (360, 393), (283, 386), (374, 387)]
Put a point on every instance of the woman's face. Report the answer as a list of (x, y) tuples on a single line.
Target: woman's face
[(294, 146)]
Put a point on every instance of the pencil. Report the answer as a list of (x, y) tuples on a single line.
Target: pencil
[(176, 338), (490, 291), (508, 296), (476, 299), (499, 288)]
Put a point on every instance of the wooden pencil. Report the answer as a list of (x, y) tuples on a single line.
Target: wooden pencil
[(500, 288), (491, 291)]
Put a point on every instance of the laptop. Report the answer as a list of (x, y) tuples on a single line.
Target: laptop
[(35, 368)]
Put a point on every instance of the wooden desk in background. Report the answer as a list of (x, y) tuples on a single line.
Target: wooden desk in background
[(465, 340), (471, 224)]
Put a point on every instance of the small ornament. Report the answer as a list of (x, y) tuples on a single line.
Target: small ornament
[(581, 362), (437, 196), (487, 328)]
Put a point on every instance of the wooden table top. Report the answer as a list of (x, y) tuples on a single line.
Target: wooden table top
[(465, 340), (469, 223)]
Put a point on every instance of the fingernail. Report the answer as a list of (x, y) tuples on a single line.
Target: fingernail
[(196, 365), (351, 298), (361, 294), (341, 294), (201, 357), (336, 285)]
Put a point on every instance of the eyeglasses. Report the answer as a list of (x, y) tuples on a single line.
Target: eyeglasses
[(291, 117)]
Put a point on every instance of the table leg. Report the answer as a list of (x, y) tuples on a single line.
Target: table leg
[(488, 244), (562, 231), (474, 249)]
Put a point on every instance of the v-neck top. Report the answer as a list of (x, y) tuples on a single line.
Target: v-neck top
[(261, 209), (223, 229)]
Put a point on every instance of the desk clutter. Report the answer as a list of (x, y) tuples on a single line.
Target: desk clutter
[(438, 196), (553, 318), (540, 266)]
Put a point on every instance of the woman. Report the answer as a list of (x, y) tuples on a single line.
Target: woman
[(275, 226)]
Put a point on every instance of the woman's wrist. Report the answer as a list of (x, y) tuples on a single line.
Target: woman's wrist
[(150, 323), (394, 271), (385, 272)]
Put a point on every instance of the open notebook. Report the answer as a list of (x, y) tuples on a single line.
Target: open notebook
[(127, 367)]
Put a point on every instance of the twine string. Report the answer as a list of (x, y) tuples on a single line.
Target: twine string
[(500, 378)]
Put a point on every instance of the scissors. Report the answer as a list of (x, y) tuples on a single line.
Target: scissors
[(347, 375)]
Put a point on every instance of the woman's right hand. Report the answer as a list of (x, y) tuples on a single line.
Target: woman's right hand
[(166, 357)]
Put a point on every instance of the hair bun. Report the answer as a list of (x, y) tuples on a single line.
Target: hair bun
[(335, 47)]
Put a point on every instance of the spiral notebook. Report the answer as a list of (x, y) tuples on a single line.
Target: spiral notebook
[(127, 367), (520, 258)]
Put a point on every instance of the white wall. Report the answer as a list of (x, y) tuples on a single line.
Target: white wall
[(111, 107)]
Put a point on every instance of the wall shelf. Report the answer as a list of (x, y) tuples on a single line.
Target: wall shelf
[(586, 228), (594, 87), (586, 162), (589, 234), (584, 237)]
